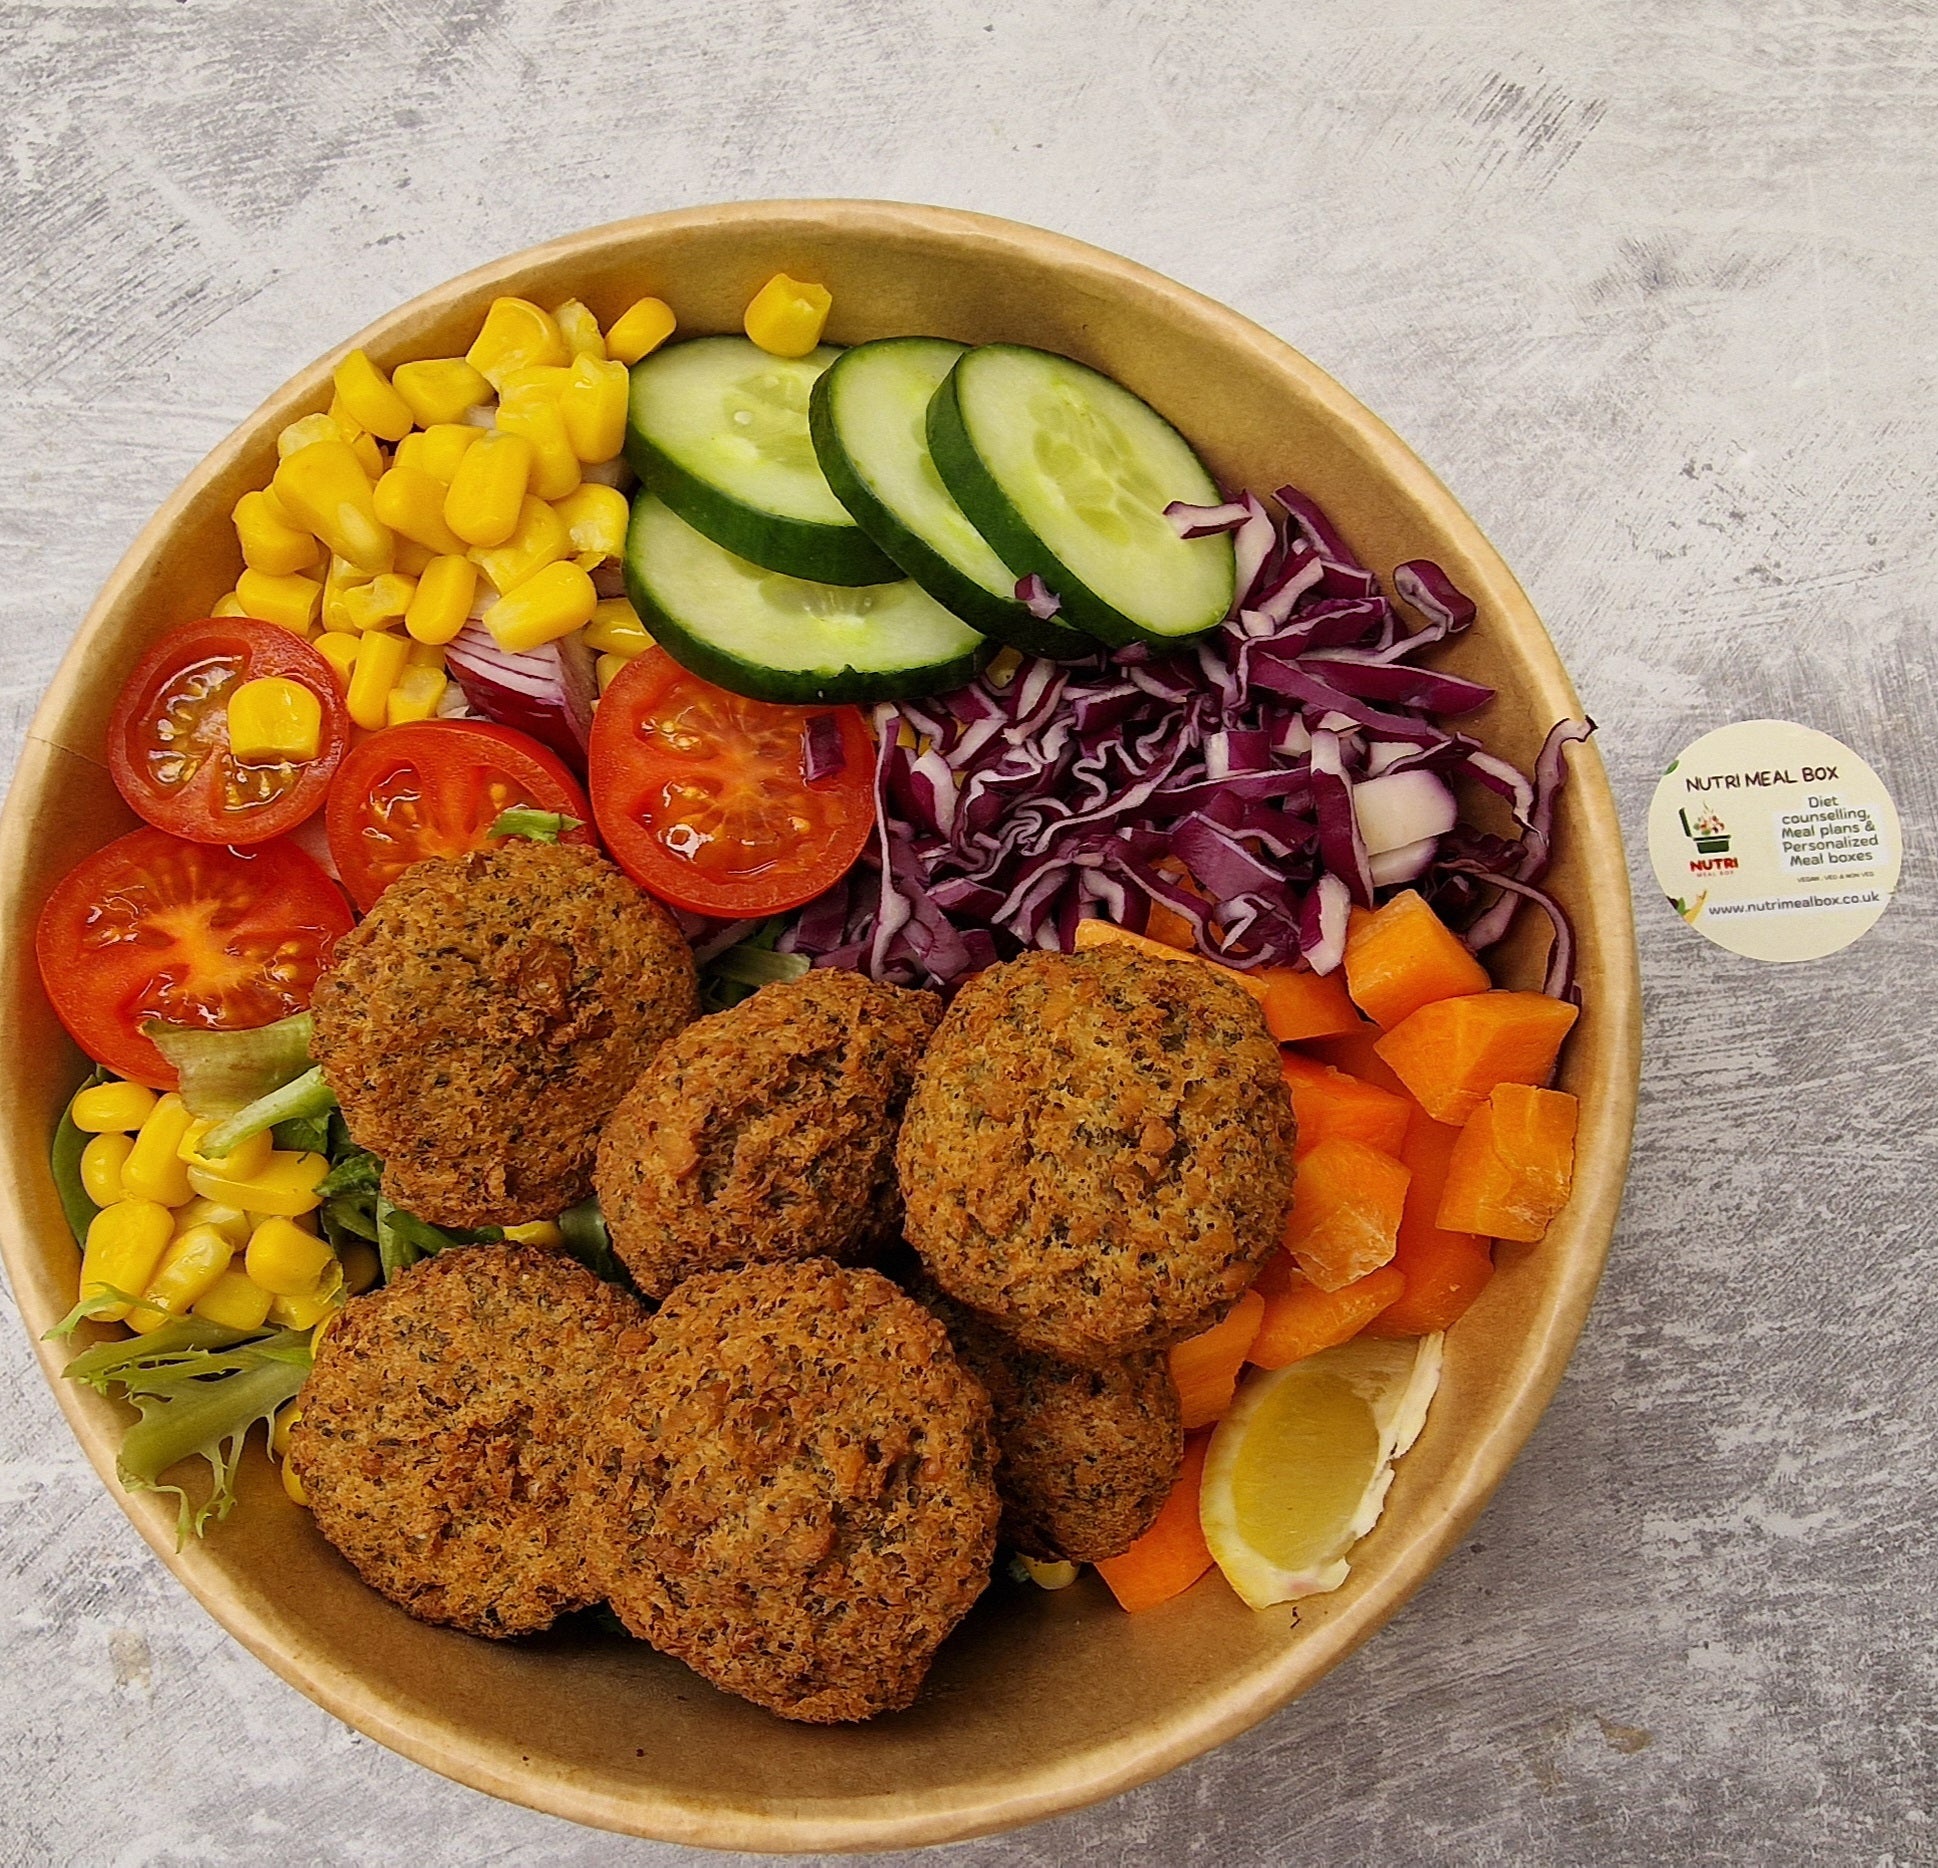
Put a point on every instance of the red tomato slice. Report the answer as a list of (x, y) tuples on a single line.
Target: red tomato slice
[(435, 788), (168, 739), (704, 799), (155, 927)]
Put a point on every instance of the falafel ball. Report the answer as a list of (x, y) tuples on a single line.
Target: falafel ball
[(487, 1013), (1085, 1457), (1097, 1153), (792, 1488), (441, 1434), (766, 1132)]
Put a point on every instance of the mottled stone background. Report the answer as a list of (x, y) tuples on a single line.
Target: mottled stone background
[(1650, 284)]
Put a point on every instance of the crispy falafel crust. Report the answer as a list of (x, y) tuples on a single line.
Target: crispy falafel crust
[(441, 1433), (793, 1488), (766, 1132), (1097, 1153), (1085, 1457), (481, 1020)]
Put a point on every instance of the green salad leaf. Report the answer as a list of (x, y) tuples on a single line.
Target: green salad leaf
[(305, 1098), (524, 820), (64, 1160), (224, 1071), (737, 972)]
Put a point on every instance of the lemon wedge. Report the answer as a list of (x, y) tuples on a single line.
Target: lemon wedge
[(1298, 1470)]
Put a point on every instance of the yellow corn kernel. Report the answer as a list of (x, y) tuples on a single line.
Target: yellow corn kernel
[(443, 600), (546, 380), (487, 489), (642, 327), (293, 1486), (370, 457), (267, 543), (595, 520), (580, 329), (536, 1232), (189, 1269), (534, 413), (416, 695), (243, 1162), (229, 604), (310, 1308), (285, 1188), (341, 578), (101, 1164), (301, 434), (361, 1267), (608, 668), (439, 389), (410, 501), (274, 719), (380, 660), (291, 601), (230, 1221), (516, 334), (303, 1222), (285, 1260), (383, 600), (787, 316), (286, 1417), (125, 1243), (326, 1325), (338, 647), (438, 449), (539, 539), (552, 604), (412, 557), (327, 488), (234, 1302), (372, 401), (102, 1107), (615, 629), (425, 655), (593, 404), (154, 1169)]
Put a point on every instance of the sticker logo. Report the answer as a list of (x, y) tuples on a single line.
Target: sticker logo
[(1774, 840)]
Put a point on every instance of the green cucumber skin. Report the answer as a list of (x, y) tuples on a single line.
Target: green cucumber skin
[(1001, 618), (796, 688), (974, 489)]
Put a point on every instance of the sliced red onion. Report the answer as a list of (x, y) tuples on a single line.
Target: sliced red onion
[(1037, 597), (823, 756), (1400, 808), (547, 691), (1206, 521)]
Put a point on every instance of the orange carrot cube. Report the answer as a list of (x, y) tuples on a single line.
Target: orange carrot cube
[(1172, 1554), (1513, 1166), (1403, 956), (1347, 1200), (1205, 1367), (1444, 1271), (1451, 1054), (1328, 1105), (1300, 1319), (1301, 1004)]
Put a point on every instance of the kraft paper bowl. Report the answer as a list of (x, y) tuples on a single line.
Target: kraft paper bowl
[(1041, 1702)]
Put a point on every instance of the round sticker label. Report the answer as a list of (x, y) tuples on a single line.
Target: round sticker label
[(1774, 840)]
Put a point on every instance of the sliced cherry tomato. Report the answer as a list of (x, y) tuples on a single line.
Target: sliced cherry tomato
[(704, 798), (435, 788), (155, 927), (168, 740)]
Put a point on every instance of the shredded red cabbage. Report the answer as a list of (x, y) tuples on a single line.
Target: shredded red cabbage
[(1223, 782)]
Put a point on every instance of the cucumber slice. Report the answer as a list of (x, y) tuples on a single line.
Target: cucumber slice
[(1067, 474), (779, 638), (867, 416), (717, 427)]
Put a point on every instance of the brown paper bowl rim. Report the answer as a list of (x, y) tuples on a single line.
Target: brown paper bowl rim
[(322, 1671)]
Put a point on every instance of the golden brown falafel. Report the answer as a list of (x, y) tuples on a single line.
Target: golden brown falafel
[(1085, 1457), (1097, 1153), (791, 1488), (441, 1433), (484, 1017), (765, 1132)]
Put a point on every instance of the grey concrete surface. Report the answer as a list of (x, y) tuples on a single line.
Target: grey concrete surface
[(1651, 285)]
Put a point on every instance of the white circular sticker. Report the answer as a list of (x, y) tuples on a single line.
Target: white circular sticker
[(1774, 840)]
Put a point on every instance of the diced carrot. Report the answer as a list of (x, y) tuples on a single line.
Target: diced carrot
[(1452, 1053), (1172, 1554), (1347, 1200), (1300, 1004), (1354, 1054), (1513, 1166), (1205, 1367), (1329, 1105), (1301, 1319), (1445, 1271), (1403, 956), (1165, 923), (1092, 934)]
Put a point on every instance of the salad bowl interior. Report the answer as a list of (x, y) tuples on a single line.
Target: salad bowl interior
[(1041, 1702)]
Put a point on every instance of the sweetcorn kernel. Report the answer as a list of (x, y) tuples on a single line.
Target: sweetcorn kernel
[(439, 389), (234, 1301), (102, 1107), (580, 329), (101, 1164), (370, 399), (515, 335), (642, 327), (787, 316)]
